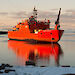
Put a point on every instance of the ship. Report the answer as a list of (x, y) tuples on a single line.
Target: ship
[(32, 29)]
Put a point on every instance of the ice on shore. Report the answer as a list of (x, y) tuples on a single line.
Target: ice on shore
[(32, 70)]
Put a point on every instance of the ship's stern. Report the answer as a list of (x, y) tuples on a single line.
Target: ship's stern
[(60, 33)]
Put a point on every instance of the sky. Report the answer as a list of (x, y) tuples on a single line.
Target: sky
[(13, 11)]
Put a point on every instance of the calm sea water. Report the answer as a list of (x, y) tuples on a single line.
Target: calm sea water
[(42, 54)]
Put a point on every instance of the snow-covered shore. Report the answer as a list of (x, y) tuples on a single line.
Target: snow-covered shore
[(32, 70)]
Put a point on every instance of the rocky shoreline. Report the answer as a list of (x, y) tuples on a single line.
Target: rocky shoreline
[(3, 32)]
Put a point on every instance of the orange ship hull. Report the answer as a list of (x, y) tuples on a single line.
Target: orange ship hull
[(43, 35)]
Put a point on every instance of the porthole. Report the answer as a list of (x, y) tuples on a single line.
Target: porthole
[(52, 38)]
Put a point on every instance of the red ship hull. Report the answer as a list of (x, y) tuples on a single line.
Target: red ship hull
[(43, 35)]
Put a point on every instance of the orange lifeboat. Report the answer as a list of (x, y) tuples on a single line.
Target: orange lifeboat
[(36, 30)]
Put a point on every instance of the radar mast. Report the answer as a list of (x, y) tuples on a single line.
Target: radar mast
[(35, 13)]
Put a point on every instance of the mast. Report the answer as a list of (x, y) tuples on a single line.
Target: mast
[(35, 13), (57, 21)]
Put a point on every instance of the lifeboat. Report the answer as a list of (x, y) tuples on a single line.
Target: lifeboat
[(34, 52), (32, 29)]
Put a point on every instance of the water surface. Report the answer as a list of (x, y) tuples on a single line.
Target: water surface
[(42, 54)]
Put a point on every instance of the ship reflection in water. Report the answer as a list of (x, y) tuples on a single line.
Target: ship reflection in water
[(36, 54)]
